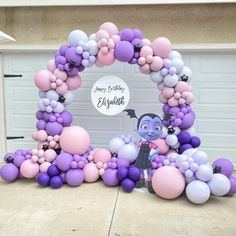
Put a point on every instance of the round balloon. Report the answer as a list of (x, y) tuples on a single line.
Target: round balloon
[(90, 173), (29, 169), (9, 172)]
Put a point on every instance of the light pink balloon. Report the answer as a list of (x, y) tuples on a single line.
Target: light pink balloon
[(161, 144), (161, 47), (73, 83), (101, 34), (74, 140), (177, 95), (107, 59), (50, 155), (168, 92), (52, 144), (110, 28), (101, 155), (190, 98), (34, 135), (142, 61), (51, 65), (42, 80), (146, 42), (90, 173), (145, 69), (157, 63), (44, 166), (146, 51), (168, 182), (60, 74), (183, 87), (42, 135), (29, 169), (162, 99), (62, 89), (181, 101), (172, 102), (116, 39)]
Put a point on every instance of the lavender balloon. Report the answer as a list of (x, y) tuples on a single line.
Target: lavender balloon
[(223, 166), (110, 177), (9, 172), (124, 51), (74, 177)]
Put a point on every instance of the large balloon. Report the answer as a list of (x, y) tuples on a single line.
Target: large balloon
[(161, 47), (124, 51), (9, 172), (110, 28), (63, 161), (75, 36), (168, 182), (74, 140), (128, 151), (29, 169), (90, 173), (42, 80), (101, 155), (74, 177), (197, 192), (223, 166), (115, 144), (110, 177)]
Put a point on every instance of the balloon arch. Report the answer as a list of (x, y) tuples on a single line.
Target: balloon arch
[(64, 154)]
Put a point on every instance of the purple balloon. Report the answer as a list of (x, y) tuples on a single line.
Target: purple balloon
[(195, 142), (128, 185), (63, 161), (184, 147), (46, 116), (73, 72), (56, 182), (137, 33), (39, 114), (9, 172), (43, 179), (18, 160), (223, 166), (122, 162), (134, 173), (187, 121), (41, 124), (110, 177), (67, 118), (126, 34), (72, 57), (124, 51), (63, 48), (184, 137), (54, 128), (122, 173), (60, 60), (53, 170), (74, 177), (232, 190)]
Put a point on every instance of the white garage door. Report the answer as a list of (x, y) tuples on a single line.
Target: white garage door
[(214, 84)]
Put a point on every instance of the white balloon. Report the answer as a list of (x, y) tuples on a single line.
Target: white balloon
[(69, 97), (174, 54), (171, 80), (129, 152), (52, 95), (75, 36), (188, 180), (171, 140), (160, 86), (92, 36), (204, 172), (178, 64), (197, 192), (219, 185), (176, 146), (93, 49), (59, 108), (164, 132), (190, 152), (180, 159), (185, 74), (41, 106), (177, 130), (115, 144), (200, 157), (156, 77)]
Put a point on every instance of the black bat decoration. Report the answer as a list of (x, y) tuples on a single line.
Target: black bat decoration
[(131, 113)]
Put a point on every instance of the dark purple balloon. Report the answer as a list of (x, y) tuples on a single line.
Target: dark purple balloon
[(67, 118), (134, 173), (73, 72), (122, 173), (232, 189), (124, 51), (54, 128), (53, 170), (223, 166), (56, 182), (128, 185), (184, 147), (195, 142), (41, 124), (43, 179), (184, 137), (9, 172), (46, 116)]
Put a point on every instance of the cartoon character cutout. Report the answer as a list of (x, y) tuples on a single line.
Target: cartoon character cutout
[(149, 128)]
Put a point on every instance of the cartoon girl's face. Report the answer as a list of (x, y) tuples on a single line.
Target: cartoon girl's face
[(150, 128)]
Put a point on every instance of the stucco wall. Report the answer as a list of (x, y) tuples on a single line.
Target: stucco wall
[(181, 23)]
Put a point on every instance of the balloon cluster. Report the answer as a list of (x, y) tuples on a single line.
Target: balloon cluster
[(64, 154)]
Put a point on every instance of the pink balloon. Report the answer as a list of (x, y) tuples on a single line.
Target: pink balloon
[(168, 182), (183, 87), (44, 166), (107, 59), (180, 102), (34, 135), (146, 51), (60, 74), (146, 42), (101, 155), (145, 69), (50, 155), (90, 173), (161, 144), (142, 61), (116, 39), (162, 99), (74, 140), (172, 102), (73, 83), (110, 28), (29, 169), (51, 65), (168, 92), (101, 34), (42, 80), (62, 89), (190, 98), (161, 47), (42, 135), (157, 63)]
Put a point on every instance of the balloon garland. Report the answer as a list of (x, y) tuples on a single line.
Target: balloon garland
[(64, 154)]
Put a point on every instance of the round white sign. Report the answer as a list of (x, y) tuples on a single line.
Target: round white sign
[(110, 95)]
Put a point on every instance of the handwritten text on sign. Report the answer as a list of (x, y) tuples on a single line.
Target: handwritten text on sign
[(110, 95)]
